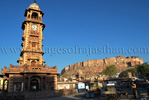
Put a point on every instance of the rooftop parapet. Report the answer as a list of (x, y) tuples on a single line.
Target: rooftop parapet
[(29, 68)]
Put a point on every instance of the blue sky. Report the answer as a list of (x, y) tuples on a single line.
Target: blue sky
[(71, 24)]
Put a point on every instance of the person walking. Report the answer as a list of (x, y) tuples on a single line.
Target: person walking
[(99, 90), (134, 89)]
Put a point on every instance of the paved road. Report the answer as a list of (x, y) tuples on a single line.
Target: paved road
[(76, 97), (80, 97), (71, 97)]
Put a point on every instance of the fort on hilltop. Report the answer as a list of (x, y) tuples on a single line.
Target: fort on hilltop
[(94, 67)]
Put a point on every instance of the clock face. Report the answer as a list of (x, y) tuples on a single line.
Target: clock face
[(34, 27)]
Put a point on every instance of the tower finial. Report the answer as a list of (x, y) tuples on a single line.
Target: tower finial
[(34, 1)]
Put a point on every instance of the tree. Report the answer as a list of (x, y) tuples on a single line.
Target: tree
[(110, 70), (125, 73), (143, 70)]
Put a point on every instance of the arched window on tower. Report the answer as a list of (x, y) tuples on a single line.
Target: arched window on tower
[(29, 16), (33, 63), (33, 45), (35, 15)]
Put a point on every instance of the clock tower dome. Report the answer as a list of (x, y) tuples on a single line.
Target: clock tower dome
[(31, 53)]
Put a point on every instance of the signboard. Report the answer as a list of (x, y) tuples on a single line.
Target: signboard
[(63, 86), (81, 85), (100, 84)]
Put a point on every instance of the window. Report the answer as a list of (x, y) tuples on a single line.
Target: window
[(33, 63), (35, 15), (28, 16), (33, 44)]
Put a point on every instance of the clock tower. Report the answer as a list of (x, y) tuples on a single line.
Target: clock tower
[(31, 74), (31, 53)]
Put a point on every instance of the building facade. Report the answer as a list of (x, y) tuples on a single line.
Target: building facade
[(32, 74)]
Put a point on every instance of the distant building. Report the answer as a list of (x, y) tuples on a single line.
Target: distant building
[(95, 67), (66, 85)]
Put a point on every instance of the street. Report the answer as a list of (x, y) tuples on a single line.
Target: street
[(78, 96)]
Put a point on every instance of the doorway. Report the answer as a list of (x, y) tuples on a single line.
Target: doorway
[(34, 85)]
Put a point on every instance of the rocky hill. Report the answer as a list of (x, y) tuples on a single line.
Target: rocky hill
[(92, 68)]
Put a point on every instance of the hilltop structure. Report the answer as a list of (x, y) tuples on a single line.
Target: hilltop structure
[(32, 74), (95, 67)]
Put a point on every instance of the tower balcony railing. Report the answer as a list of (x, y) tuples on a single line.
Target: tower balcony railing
[(34, 19), (35, 66), (12, 68), (34, 32), (41, 68), (39, 50), (34, 40)]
